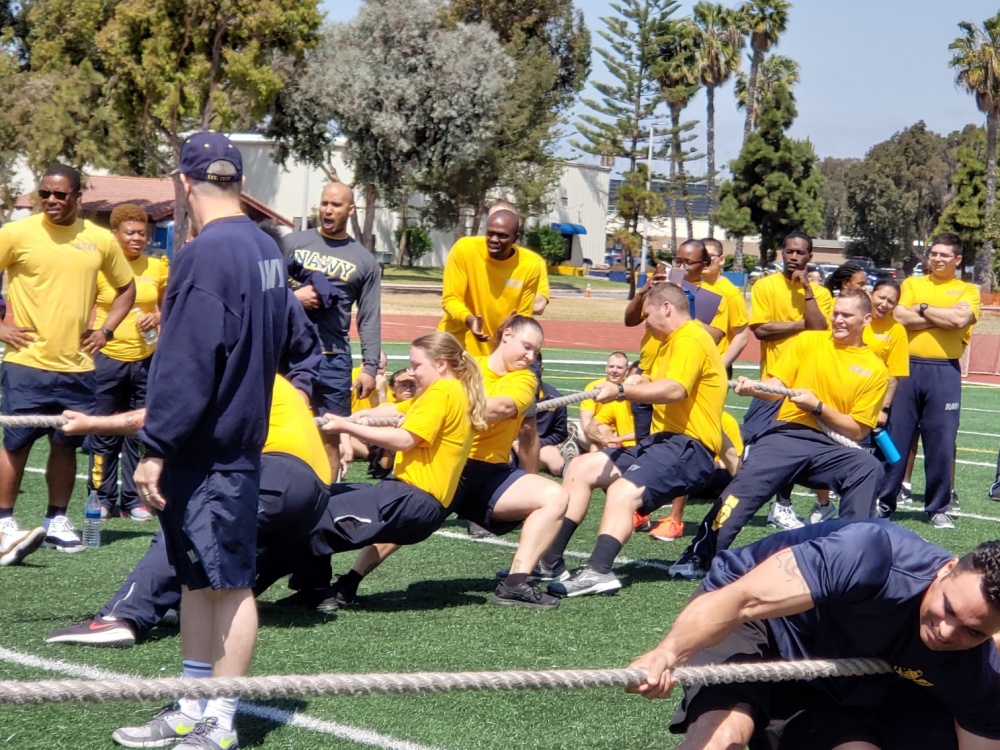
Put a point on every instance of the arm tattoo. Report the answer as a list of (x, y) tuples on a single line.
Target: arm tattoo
[(791, 570)]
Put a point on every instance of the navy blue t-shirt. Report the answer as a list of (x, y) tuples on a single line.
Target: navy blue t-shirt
[(223, 325), (867, 579)]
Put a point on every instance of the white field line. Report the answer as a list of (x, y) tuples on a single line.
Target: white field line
[(277, 715), (915, 512)]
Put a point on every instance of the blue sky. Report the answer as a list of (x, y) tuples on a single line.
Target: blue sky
[(869, 68)]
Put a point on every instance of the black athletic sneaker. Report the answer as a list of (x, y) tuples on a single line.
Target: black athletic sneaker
[(523, 595), (476, 531), (333, 599), (541, 573)]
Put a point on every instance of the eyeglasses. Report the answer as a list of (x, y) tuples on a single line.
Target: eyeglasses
[(59, 195), (681, 262), (942, 256), (405, 384), (713, 258)]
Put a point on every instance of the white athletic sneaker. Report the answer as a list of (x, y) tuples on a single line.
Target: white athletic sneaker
[(820, 513), (783, 517), (62, 536), (15, 543)]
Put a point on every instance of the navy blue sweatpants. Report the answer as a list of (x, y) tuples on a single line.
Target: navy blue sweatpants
[(120, 386), (292, 500), (788, 453), (927, 404)]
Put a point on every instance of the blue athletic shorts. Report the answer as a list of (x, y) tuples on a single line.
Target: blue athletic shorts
[(479, 488), (361, 514), (666, 466), (332, 387), (29, 390), (210, 526)]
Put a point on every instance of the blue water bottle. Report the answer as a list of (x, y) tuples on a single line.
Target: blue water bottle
[(885, 444), (92, 521), (690, 297)]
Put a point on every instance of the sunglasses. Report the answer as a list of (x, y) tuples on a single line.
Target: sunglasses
[(405, 384), (59, 195)]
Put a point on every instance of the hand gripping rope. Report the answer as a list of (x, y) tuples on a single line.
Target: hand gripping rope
[(99, 691), (834, 436)]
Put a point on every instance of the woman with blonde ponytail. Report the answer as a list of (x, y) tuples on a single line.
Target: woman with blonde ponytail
[(431, 443)]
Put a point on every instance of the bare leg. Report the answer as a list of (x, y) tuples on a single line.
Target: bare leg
[(541, 504), (624, 499), (332, 445), (372, 556), (677, 508), (60, 474), (719, 730), (585, 474), (551, 460), (528, 446), (11, 472), (219, 627)]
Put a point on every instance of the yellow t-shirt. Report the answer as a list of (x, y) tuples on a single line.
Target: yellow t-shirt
[(648, 351), (775, 299), (150, 274), (690, 358), (737, 306), (851, 379), (720, 320), (731, 429), (291, 430), (440, 418), (53, 285), (492, 445), (618, 416), (589, 404), (939, 343), (357, 404), (475, 284), (887, 339)]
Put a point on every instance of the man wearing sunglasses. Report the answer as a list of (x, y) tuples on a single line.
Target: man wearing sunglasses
[(53, 259)]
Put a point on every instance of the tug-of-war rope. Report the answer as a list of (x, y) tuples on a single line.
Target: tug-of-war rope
[(100, 691), (573, 398), (55, 421)]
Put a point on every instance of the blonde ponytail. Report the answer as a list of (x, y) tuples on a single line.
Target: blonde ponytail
[(442, 345)]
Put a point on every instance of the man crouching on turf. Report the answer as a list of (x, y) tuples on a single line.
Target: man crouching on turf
[(835, 590)]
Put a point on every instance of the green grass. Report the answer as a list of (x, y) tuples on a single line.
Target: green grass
[(427, 609)]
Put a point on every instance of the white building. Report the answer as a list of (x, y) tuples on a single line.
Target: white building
[(578, 203)]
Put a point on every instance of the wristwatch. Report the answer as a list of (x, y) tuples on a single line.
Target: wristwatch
[(621, 393), (108, 333), (922, 309), (818, 410)]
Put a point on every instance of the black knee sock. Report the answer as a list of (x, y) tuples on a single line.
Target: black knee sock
[(553, 555), (516, 579), (52, 511), (6, 513), (604, 554)]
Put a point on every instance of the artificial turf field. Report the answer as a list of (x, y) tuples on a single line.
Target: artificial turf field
[(427, 609)]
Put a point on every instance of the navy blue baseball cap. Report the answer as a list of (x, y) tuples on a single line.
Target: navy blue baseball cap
[(204, 148)]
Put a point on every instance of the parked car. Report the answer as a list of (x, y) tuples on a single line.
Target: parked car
[(918, 270), (893, 272), (826, 268), (771, 268)]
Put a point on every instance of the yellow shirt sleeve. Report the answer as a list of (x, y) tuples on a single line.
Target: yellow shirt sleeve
[(761, 303), (824, 300), (589, 404), (455, 282)]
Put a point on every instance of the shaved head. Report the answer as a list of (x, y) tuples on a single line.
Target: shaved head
[(341, 191), (502, 231)]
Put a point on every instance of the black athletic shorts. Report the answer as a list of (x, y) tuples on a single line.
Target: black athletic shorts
[(479, 488)]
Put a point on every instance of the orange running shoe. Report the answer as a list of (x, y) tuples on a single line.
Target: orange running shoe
[(667, 530), (640, 522)]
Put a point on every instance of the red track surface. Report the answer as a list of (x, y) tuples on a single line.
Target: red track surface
[(604, 337)]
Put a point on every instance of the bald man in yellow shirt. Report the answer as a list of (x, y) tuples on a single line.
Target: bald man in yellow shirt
[(938, 312)]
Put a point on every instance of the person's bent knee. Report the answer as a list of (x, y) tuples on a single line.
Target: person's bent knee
[(719, 730), (623, 492)]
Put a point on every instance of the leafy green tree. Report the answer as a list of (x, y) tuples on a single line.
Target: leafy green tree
[(680, 79), (633, 201), (896, 195), (765, 21), (773, 70), (775, 182), (720, 40), (833, 193), (547, 242), (966, 214), (976, 60), (418, 243)]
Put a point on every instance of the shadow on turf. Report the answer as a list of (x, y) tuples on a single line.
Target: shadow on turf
[(253, 730), (110, 536)]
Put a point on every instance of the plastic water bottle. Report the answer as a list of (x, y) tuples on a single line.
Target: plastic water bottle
[(884, 441), (151, 336), (92, 521)]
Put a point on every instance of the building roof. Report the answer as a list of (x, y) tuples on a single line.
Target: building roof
[(155, 194)]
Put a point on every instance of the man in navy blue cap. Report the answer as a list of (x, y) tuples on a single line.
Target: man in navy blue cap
[(223, 328)]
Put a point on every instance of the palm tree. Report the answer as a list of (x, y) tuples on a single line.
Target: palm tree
[(720, 39), (774, 70), (765, 21), (679, 81), (977, 62)]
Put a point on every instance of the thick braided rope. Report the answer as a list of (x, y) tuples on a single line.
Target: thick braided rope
[(572, 398), (367, 421), (834, 436), (31, 420), (99, 691)]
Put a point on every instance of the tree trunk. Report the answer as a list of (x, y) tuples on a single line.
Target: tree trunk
[(462, 222), (404, 221), (371, 198), (984, 272), (672, 203), (738, 256), (477, 216), (710, 93), (758, 56), (182, 219)]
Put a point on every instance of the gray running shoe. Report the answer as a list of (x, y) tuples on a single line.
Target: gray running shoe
[(585, 580), (208, 735), (523, 595), (166, 728), (941, 520), (541, 573), (783, 517), (820, 513), (95, 632)]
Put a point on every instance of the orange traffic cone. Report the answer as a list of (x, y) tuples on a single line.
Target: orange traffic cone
[(586, 292)]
